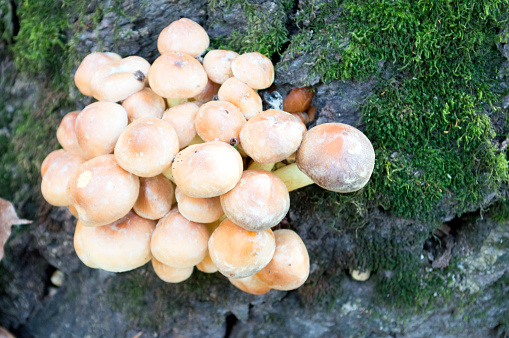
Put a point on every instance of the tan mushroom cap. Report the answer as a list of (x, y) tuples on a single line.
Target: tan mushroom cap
[(254, 69), (272, 136), (201, 210), (206, 265), (219, 120), (207, 169), (98, 128), (47, 161), (182, 118), (155, 197), (102, 191), (87, 68), (259, 201), (66, 133), (239, 253), (57, 177), (169, 274), (147, 147), (242, 96), (188, 78), (218, 65), (184, 36), (78, 247), (120, 246), (178, 242), (298, 100), (337, 157), (250, 285), (289, 268), (144, 103), (211, 90)]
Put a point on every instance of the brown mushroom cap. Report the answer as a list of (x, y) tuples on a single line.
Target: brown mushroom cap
[(188, 78), (271, 136), (207, 169), (298, 100), (144, 103), (90, 64), (120, 246), (98, 128), (254, 69), (147, 147), (289, 268), (102, 191), (169, 274), (211, 90), (239, 253), (219, 120), (337, 157), (51, 156), (201, 210), (242, 96), (66, 134), (206, 265), (218, 65), (182, 118), (259, 201), (250, 285), (78, 247), (178, 242), (155, 197), (184, 36)]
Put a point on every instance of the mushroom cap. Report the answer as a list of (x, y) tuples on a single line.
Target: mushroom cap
[(250, 285), (259, 201), (169, 274), (57, 177), (87, 68), (298, 100), (239, 253), (289, 268), (78, 247), (120, 246), (254, 69), (188, 78), (184, 36), (337, 157), (144, 103), (207, 169), (155, 197), (271, 136), (201, 210), (219, 120), (98, 128), (242, 96), (147, 146), (211, 90), (178, 242), (182, 118), (102, 191), (66, 134), (47, 161), (206, 265), (218, 65), (73, 210)]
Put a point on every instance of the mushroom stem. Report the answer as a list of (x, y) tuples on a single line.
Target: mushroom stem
[(174, 102), (196, 140), (260, 166), (293, 177), (168, 173)]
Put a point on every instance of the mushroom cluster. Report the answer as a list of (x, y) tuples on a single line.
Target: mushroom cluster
[(192, 130)]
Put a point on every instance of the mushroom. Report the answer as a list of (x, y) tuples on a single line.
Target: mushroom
[(218, 65), (184, 36), (182, 118), (360, 276), (78, 247), (219, 120), (298, 100), (211, 90), (87, 68), (254, 69), (201, 210), (206, 265), (250, 285), (169, 274), (144, 103), (242, 96), (155, 197), (47, 161), (66, 133)]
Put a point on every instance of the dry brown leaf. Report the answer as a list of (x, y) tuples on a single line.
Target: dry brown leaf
[(8, 218)]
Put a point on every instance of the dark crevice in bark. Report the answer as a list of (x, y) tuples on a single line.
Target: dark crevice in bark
[(291, 27), (231, 321)]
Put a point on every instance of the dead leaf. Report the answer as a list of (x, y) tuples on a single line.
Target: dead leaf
[(8, 218)]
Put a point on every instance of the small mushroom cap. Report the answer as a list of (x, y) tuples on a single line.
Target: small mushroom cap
[(259, 201), (47, 161), (144, 103), (242, 96), (271, 136), (360, 276), (211, 90), (239, 253), (102, 191), (337, 157), (57, 177), (169, 274), (184, 36), (254, 69), (207, 169), (147, 147), (289, 268), (298, 100), (66, 134), (188, 78), (182, 118), (219, 120), (178, 242), (250, 285), (155, 197), (120, 246), (98, 128), (86, 70), (78, 247), (218, 65), (206, 265), (201, 210)]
